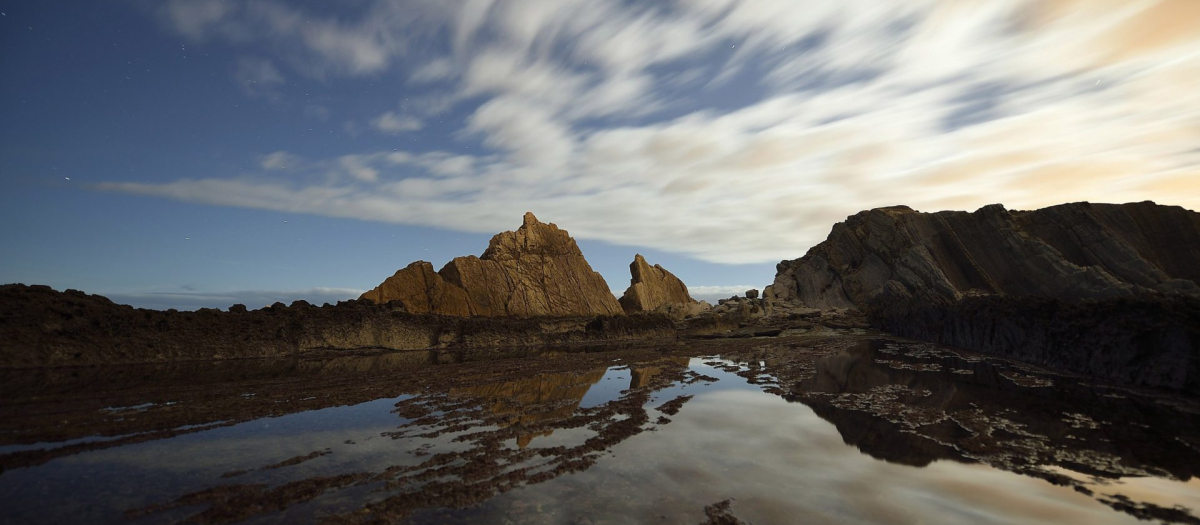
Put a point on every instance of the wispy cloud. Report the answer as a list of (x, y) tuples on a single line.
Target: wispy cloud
[(738, 131), (390, 122)]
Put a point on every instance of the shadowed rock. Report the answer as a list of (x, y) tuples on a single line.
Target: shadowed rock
[(537, 270), (1108, 290), (1068, 252)]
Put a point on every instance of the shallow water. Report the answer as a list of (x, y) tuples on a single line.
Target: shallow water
[(835, 430)]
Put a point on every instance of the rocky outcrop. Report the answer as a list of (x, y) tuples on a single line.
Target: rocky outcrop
[(1102, 289), (421, 290), (1068, 252), (654, 289), (42, 327), (537, 270)]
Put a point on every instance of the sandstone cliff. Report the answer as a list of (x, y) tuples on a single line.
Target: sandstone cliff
[(537, 270), (1068, 252), (654, 289)]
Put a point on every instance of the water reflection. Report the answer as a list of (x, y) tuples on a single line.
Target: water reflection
[(784, 427)]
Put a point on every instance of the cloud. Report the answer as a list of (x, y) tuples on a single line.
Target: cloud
[(278, 160), (253, 299), (390, 122), (194, 18), (734, 131)]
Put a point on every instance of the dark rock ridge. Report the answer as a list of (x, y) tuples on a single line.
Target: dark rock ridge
[(537, 270), (1069, 252), (43, 327), (1109, 290), (654, 289)]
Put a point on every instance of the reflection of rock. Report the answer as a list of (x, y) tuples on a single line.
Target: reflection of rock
[(641, 376), (538, 399), (654, 289), (536, 270), (879, 403)]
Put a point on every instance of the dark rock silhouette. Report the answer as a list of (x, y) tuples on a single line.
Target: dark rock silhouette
[(537, 270), (43, 327), (1068, 252), (1109, 290)]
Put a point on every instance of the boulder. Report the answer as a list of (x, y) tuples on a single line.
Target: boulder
[(537, 270)]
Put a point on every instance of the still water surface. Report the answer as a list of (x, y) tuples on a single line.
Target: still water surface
[(848, 431)]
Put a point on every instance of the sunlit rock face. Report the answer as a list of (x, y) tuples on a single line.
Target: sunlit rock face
[(537, 270), (421, 290), (654, 289), (1067, 252)]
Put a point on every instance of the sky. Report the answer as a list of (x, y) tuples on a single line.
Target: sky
[(188, 153)]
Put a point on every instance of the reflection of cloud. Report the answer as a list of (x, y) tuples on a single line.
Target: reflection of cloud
[(799, 466), (848, 105)]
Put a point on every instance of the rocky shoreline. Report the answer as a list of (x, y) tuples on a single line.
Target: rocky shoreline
[(41, 327), (1105, 291)]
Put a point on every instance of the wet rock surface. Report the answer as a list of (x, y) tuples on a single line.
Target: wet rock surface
[(552, 435), (537, 270)]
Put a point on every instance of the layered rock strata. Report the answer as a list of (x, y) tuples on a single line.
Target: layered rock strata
[(537, 270)]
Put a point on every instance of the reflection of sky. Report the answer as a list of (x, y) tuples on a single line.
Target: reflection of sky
[(778, 460)]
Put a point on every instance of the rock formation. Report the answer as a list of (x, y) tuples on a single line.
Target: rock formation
[(1110, 290), (422, 291), (537, 270), (1068, 252), (654, 289)]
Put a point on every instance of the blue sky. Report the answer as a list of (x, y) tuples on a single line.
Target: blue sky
[(194, 153)]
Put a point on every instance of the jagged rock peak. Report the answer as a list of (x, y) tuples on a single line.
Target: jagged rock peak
[(654, 289), (533, 238), (537, 270), (1069, 252)]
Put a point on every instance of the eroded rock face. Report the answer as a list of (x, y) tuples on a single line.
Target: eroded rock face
[(537, 270), (654, 289), (1068, 252)]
